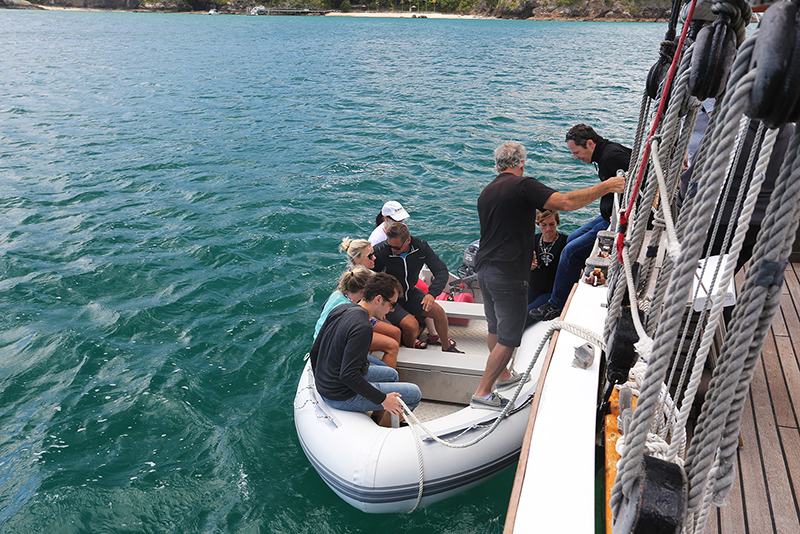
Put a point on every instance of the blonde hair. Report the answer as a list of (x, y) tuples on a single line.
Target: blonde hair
[(544, 214), (353, 248), (354, 281)]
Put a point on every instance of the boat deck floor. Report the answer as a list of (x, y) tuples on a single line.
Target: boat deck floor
[(471, 338), (765, 496)]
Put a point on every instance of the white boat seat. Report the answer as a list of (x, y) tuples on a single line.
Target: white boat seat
[(442, 376), (463, 310)]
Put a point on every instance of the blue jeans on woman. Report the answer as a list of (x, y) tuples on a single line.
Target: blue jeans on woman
[(384, 378), (535, 300), (573, 258)]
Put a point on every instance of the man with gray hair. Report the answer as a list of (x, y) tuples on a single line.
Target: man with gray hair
[(507, 211)]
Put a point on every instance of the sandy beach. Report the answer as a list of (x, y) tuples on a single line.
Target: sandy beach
[(405, 15), (392, 14)]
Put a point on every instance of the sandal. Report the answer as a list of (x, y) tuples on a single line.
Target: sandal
[(419, 344), (452, 348), (435, 340)]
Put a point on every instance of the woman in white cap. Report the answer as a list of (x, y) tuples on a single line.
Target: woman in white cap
[(391, 212)]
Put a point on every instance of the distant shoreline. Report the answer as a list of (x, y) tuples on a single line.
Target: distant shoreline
[(368, 14), (407, 15)]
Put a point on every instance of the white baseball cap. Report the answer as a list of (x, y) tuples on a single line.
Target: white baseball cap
[(394, 210)]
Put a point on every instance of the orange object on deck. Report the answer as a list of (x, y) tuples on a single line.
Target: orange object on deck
[(612, 434)]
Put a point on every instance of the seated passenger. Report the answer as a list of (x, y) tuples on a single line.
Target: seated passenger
[(386, 337), (391, 212), (403, 256), (359, 252), (342, 374), (546, 253)]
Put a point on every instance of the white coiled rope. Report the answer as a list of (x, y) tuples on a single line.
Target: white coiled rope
[(414, 421)]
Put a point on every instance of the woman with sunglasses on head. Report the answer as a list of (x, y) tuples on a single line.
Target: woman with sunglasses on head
[(359, 252), (386, 337)]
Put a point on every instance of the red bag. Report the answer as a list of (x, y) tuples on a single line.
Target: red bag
[(460, 297)]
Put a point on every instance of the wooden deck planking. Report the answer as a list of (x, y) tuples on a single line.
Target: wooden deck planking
[(754, 490), (776, 477), (791, 440), (764, 498), (731, 518)]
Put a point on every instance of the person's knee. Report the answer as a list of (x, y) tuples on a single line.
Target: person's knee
[(392, 348), (436, 312), (412, 396), (395, 334), (409, 324)]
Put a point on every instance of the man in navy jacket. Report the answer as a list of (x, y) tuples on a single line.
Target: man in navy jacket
[(403, 256)]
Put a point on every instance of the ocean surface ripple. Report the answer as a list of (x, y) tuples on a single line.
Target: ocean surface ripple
[(173, 189)]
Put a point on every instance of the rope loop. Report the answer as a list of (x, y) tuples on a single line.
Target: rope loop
[(660, 68)]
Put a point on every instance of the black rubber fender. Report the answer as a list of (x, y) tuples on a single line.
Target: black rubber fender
[(660, 68), (712, 60), (658, 502), (620, 351), (792, 84), (776, 60)]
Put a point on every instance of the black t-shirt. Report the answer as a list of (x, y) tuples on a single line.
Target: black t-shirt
[(544, 276), (507, 211), (610, 157)]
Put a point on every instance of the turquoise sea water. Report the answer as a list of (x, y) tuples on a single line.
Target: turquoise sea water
[(172, 192)]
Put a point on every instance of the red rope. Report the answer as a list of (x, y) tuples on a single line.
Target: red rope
[(624, 217)]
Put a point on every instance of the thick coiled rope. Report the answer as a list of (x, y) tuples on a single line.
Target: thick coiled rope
[(761, 299), (413, 421), (718, 302), (675, 303)]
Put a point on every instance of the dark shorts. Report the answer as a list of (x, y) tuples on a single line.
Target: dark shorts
[(505, 302), (411, 304)]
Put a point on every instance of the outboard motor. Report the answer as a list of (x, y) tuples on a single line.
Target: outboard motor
[(467, 276), (467, 269)]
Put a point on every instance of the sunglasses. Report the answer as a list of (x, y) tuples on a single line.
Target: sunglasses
[(576, 138), (371, 256), (400, 247)]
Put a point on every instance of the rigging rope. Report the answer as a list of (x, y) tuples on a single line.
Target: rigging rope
[(675, 303), (664, 97), (761, 296)]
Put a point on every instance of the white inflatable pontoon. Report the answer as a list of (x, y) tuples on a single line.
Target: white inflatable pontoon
[(382, 470)]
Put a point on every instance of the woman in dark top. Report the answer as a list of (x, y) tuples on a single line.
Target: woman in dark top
[(547, 251)]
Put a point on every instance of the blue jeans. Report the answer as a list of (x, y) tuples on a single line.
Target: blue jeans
[(384, 378), (573, 259), (535, 303), (504, 302)]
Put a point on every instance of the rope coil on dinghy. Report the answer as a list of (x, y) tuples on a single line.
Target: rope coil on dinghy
[(509, 409)]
